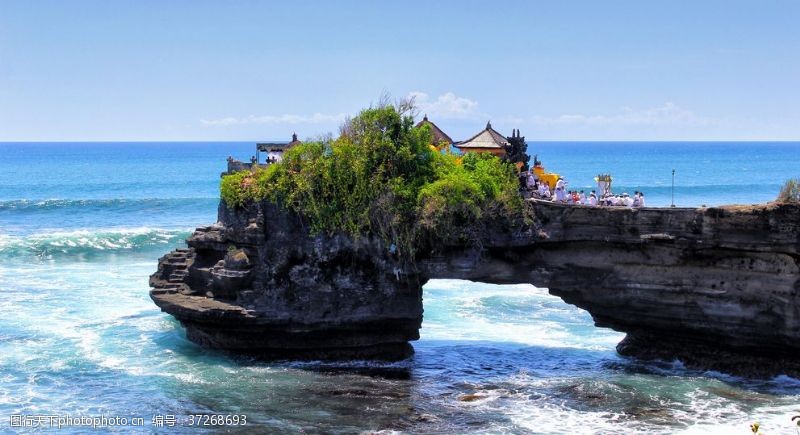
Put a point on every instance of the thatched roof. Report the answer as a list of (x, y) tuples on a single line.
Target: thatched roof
[(277, 146), (487, 138), (438, 135)]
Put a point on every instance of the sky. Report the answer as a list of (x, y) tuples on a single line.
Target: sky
[(258, 70)]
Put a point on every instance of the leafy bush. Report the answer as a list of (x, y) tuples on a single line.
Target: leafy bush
[(790, 192), (240, 187), (449, 206), (382, 177)]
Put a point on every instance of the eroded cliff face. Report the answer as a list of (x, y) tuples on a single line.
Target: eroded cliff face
[(299, 296), (717, 288)]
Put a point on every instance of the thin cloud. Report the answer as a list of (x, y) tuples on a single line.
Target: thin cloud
[(317, 118), (446, 106), (668, 114)]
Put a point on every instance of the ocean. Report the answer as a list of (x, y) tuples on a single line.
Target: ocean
[(83, 224)]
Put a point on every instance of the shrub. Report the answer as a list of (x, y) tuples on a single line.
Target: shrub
[(381, 177), (790, 192), (234, 188), (240, 187), (449, 207)]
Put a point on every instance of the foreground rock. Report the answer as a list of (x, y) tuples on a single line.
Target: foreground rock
[(289, 295), (717, 288)]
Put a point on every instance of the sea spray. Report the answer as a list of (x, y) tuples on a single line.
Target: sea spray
[(89, 242)]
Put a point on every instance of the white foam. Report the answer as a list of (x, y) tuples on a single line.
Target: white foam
[(462, 310)]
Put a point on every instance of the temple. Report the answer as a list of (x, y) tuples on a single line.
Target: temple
[(439, 136), (275, 150), (488, 140)]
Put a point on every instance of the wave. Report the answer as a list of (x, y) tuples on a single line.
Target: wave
[(88, 242), (60, 204)]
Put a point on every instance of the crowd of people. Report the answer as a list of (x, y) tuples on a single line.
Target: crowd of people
[(538, 189)]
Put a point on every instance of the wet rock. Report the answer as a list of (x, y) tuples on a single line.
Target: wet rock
[(471, 397)]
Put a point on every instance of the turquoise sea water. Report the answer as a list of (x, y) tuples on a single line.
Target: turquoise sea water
[(82, 225)]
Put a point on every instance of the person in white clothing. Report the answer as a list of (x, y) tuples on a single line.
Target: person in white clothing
[(561, 196), (626, 200), (641, 199), (544, 191), (593, 200), (531, 181)]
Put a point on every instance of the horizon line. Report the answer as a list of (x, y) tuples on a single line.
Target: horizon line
[(527, 141)]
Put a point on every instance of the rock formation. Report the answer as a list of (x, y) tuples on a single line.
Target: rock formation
[(716, 287)]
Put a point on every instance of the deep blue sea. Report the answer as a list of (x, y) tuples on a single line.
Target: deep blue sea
[(83, 224)]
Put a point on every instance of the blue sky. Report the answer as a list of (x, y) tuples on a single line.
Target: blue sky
[(258, 70)]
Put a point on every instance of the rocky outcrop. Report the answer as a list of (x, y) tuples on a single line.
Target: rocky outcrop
[(295, 296), (716, 287)]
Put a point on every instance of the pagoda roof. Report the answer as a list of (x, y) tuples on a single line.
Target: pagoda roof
[(487, 138), (438, 134)]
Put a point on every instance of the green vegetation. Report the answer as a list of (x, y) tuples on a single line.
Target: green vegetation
[(382, 177), (790, 192)]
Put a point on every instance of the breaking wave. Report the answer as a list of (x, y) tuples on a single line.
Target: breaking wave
[(26, 205), (83, 242)]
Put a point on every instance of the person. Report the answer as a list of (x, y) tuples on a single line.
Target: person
[(575, 198), (593, 199), (562, 184), (544, 191), (638, 200), (561, 196), (531, 181), (582, 197)]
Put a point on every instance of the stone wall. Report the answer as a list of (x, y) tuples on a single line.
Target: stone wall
[(236, 166)]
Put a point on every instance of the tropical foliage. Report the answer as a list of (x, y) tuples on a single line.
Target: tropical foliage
[(382, 177)]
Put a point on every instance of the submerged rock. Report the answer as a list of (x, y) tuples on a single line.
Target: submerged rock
[(471, 397), (715, 287)]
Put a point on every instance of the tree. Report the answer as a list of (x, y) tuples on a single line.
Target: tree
[(516, 150)]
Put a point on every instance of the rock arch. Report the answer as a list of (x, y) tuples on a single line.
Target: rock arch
[(717, 287)]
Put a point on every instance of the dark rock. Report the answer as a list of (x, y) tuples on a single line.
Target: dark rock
[(296, 296), (717, 288), (236, 259)]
